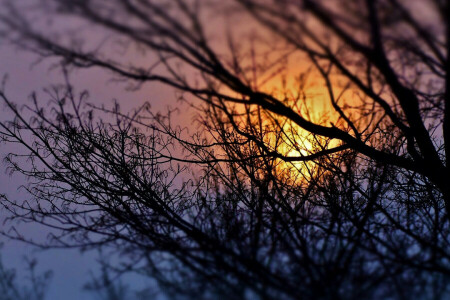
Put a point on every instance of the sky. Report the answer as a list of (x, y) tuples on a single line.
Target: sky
[(71, 269)]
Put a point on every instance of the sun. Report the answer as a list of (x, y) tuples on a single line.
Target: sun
[(312, 101)]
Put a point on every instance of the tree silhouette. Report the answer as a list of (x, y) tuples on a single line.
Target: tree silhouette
[(33, 286), (290, 200)]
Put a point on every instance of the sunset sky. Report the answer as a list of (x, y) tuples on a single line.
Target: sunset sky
[(309, 136)]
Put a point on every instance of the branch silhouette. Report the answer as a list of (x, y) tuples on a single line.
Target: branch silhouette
[(287, 200)]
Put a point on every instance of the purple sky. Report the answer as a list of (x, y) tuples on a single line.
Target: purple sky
[(71, 269)]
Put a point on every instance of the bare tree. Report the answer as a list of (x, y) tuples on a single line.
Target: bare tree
[(32, 286), (291, 202)]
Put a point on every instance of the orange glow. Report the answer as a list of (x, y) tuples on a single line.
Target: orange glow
[(298, 85), (311, 99)]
